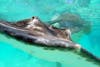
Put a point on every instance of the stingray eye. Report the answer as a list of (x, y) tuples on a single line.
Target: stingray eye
[(33, 17)]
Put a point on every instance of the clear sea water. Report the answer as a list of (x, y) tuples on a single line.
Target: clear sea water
[(14, 53)]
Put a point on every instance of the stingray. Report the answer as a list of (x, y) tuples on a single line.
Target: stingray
[(35, 31), (71, 21)]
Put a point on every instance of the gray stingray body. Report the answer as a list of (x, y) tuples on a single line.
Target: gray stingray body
[(33, 30), (71, 21)]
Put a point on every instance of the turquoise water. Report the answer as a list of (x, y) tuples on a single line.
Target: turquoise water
[(21, 55), (12, 57)]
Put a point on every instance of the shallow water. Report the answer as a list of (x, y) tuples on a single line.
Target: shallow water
[(24, 54), (21, 54)]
